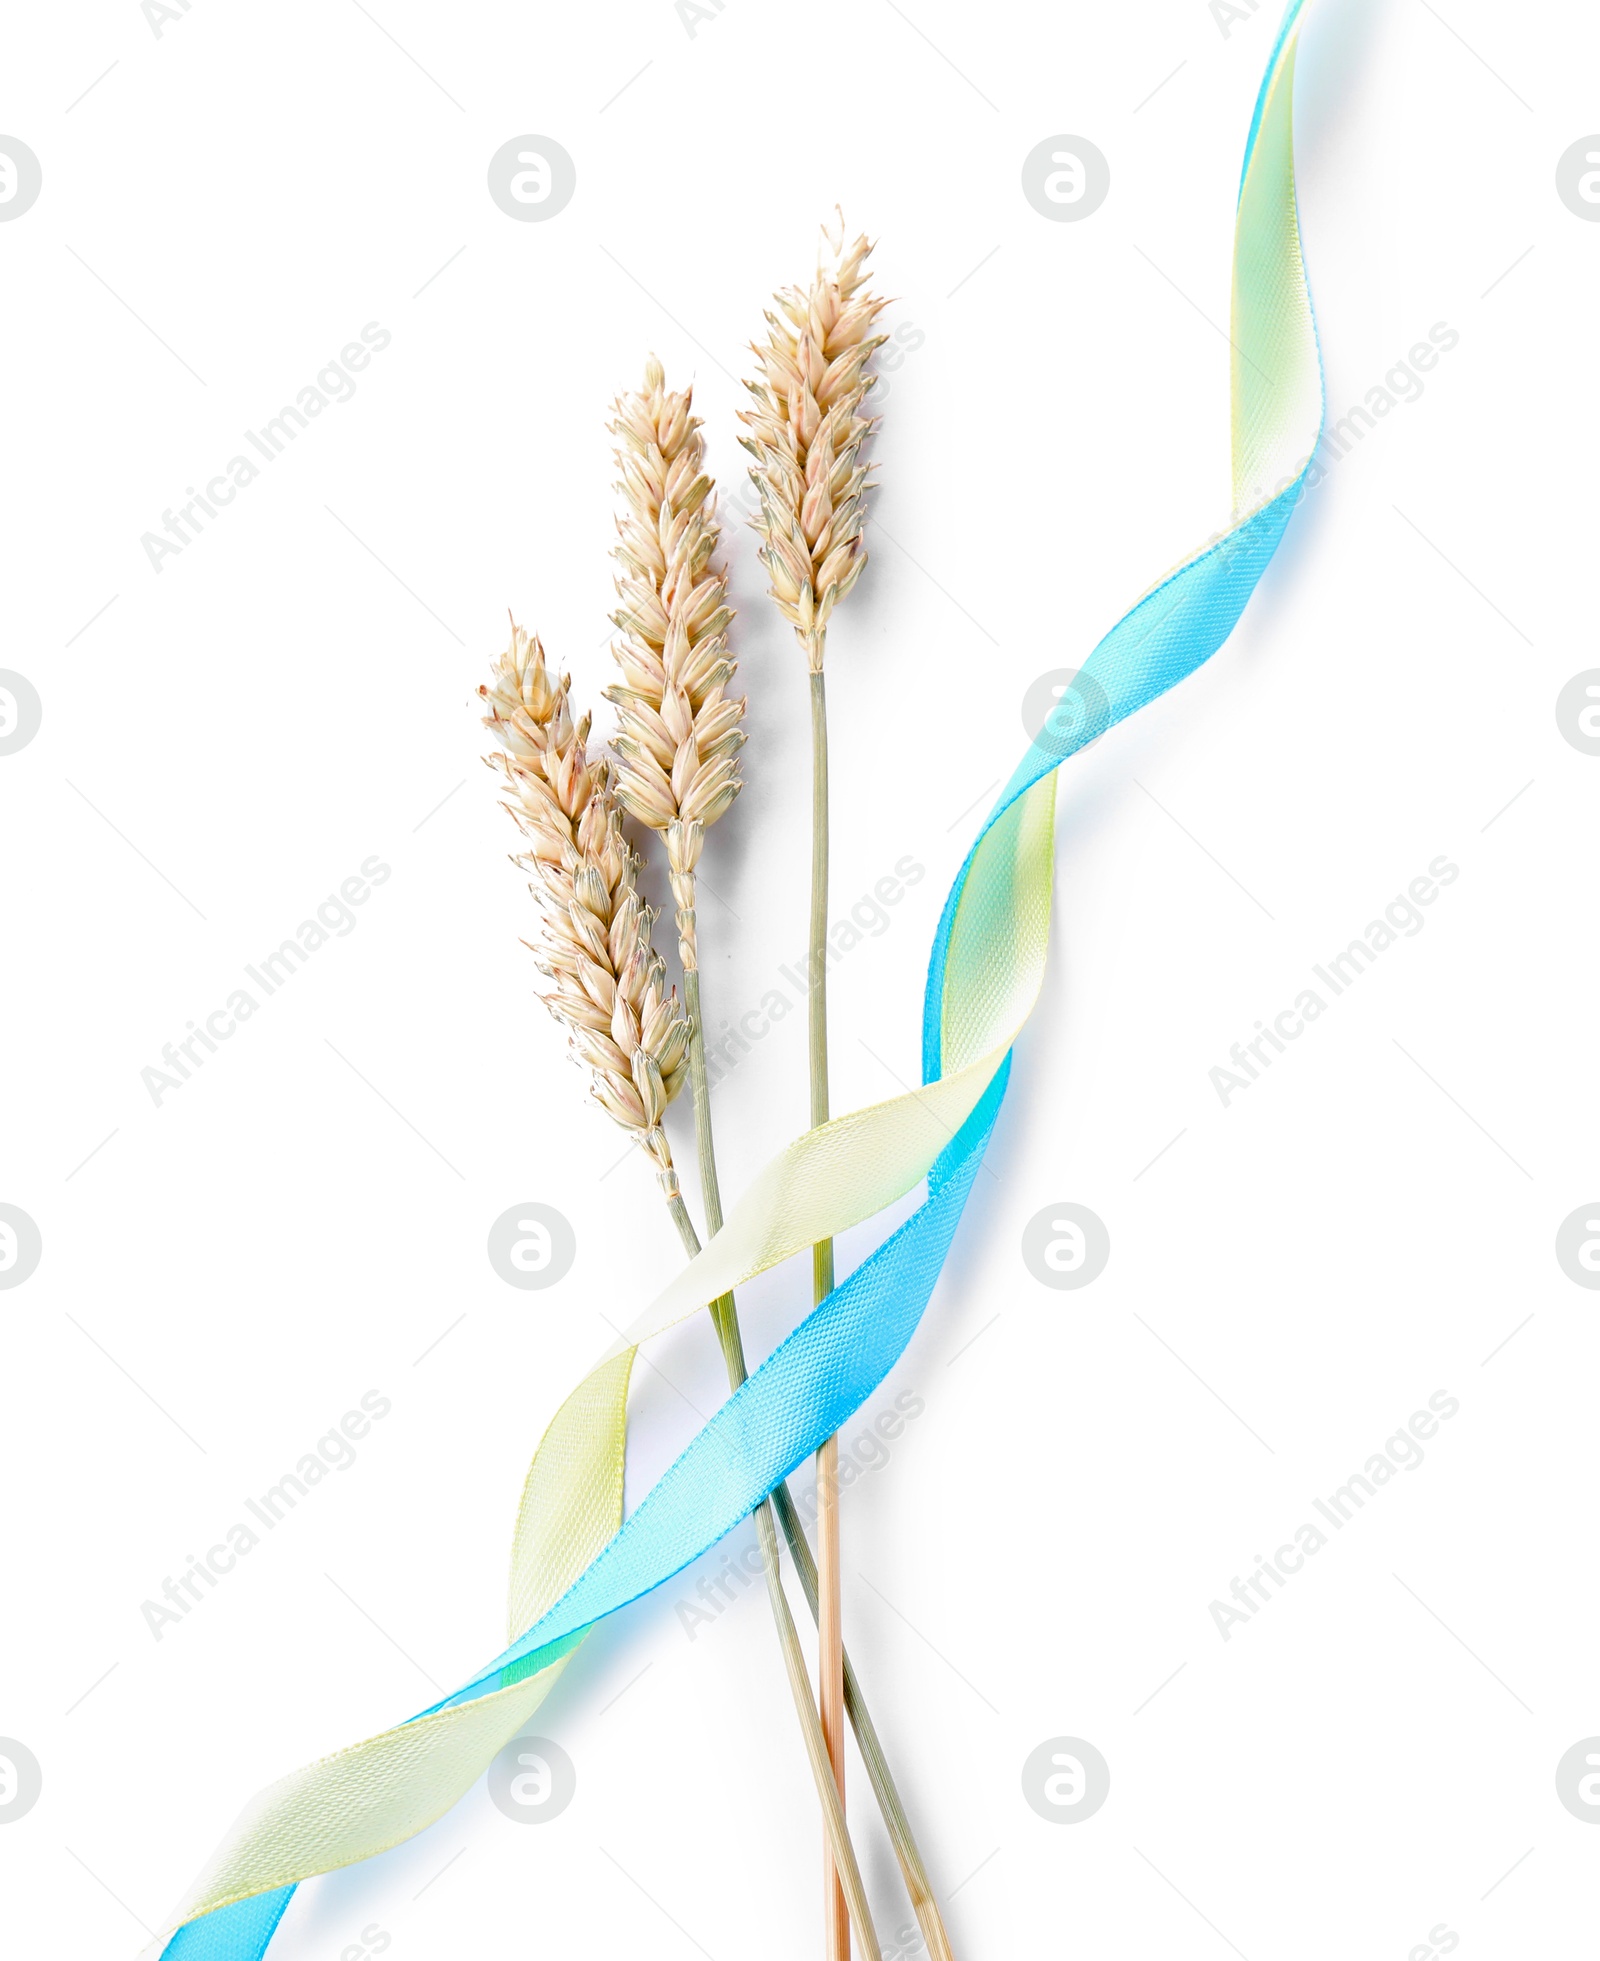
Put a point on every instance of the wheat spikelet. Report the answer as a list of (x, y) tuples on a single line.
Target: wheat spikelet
[(806, 430), (678, 728), (607, 981)]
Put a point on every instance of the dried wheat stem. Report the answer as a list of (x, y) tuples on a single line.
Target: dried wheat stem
[(607, 980), (830, 1605), (912, 1868), (679, 737), (806, 430), (678, 730), (607, 989), (835, 1830)]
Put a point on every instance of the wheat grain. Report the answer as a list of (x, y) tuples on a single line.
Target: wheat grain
[(607, 980), (679, 733), (806, 431)]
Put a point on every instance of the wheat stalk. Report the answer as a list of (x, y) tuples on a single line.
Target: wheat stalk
[(679, 738), (679, 733), (806, 431), (607, 980), (608, 991)]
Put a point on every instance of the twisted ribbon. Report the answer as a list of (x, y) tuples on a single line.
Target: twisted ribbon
[(574, 1559)]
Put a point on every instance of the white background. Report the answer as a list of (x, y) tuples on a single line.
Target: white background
[(1293, 1275)]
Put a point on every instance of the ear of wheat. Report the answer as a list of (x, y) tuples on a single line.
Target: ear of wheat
[(607, 980), (679, 733), (807, 426)]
